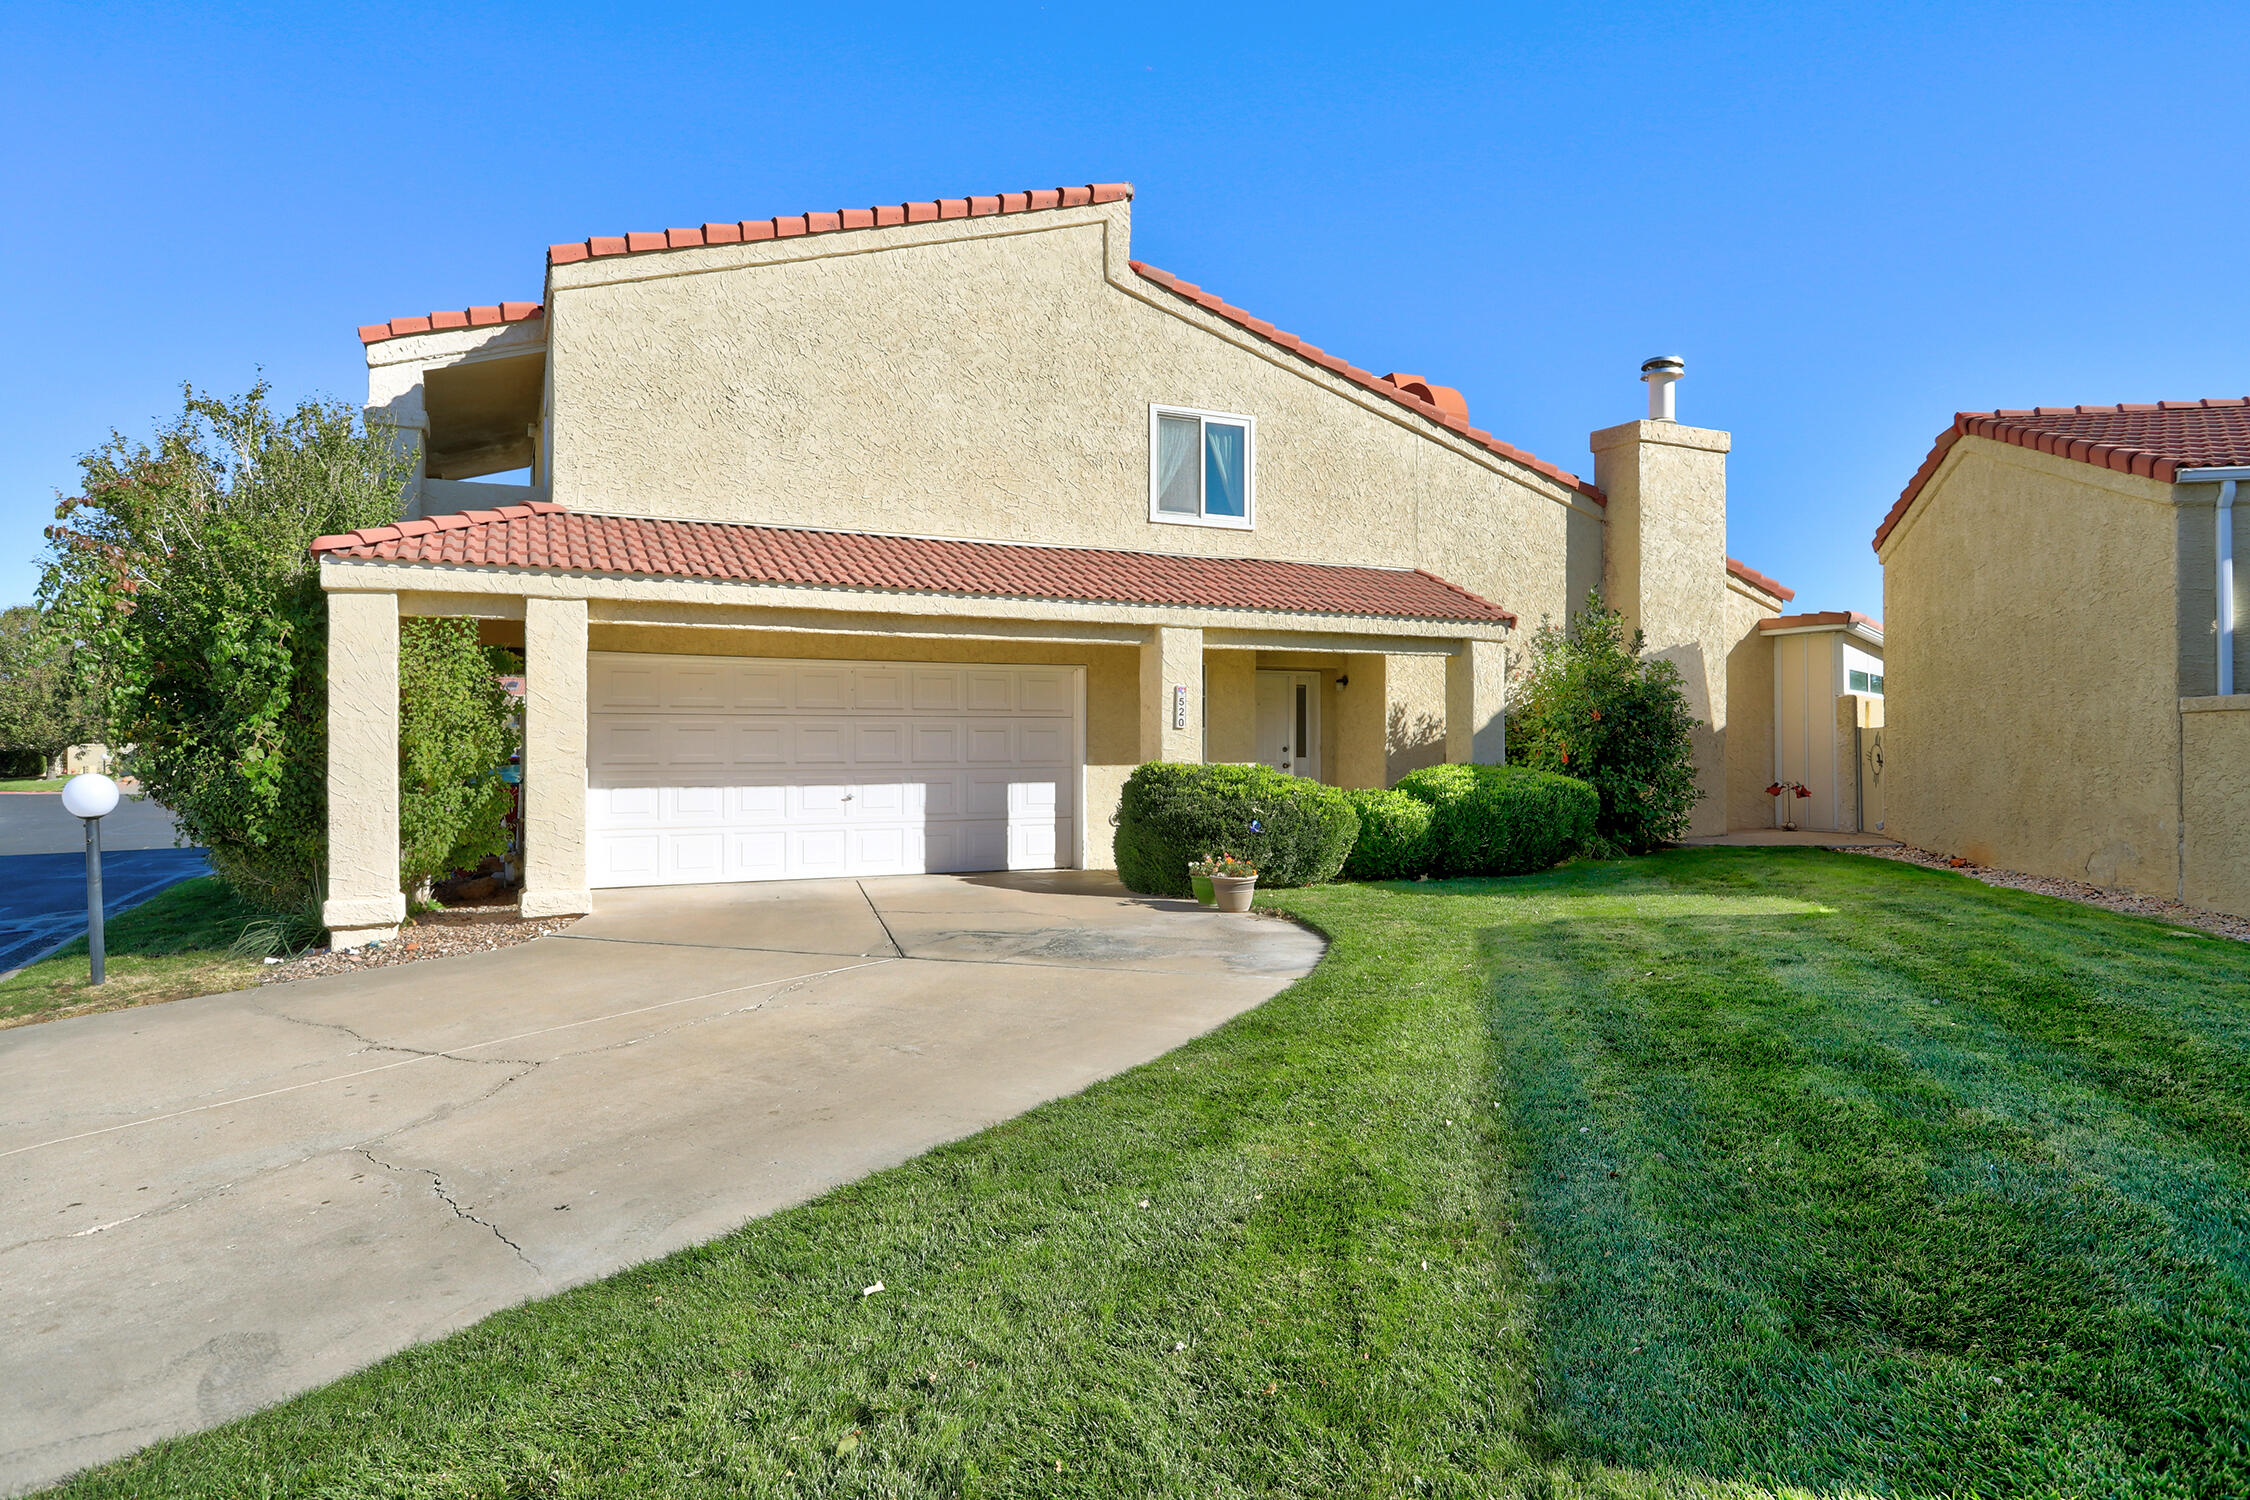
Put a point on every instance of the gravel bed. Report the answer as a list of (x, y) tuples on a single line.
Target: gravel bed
[(436, 934), (2215, 922)]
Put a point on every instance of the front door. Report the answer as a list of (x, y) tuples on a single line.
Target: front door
[(1289, 721)]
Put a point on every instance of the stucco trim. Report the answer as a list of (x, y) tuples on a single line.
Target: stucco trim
[(2232, 703)]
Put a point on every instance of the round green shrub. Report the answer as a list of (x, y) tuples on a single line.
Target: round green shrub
[(1394, 836), (1172, 813), (1502, 820)]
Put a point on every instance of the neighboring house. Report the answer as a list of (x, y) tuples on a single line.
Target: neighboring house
[(2067, 697), (1827, 720), (892, 539)]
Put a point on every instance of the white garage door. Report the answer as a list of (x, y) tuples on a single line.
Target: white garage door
[(708, 768)]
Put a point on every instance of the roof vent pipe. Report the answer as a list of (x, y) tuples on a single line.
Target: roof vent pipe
[(1660, 372)]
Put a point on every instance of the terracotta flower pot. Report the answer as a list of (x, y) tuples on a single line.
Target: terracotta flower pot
[(1202, 884), (1233, 891)]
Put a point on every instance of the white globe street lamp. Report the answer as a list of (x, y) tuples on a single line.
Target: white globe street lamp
[(92, 798)]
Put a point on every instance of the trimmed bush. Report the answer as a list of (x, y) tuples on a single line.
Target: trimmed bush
[(1594, 706), (1172, 813), (1394, 836), (1502, 820)]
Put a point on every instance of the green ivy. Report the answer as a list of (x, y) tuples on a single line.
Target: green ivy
[(455, 733)]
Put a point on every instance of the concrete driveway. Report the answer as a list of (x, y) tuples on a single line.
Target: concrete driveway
[(209, 1205)]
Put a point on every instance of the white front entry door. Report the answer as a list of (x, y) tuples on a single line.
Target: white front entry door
[(712, 768), (1289, 721)]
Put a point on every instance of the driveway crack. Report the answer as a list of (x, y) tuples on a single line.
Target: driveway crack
[(878, 915), (369, 1044), (437, 1186)]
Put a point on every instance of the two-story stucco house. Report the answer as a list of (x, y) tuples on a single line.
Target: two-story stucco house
[(2065, 689), (890, 540)]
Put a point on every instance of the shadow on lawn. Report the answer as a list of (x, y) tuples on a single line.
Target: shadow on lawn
[(1849, 1180)]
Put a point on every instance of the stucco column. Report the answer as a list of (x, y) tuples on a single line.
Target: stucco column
[(1172, 694), (364, 903), (1476, 695), (554, 759)]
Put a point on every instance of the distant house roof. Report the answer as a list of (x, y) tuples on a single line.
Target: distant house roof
[(543, 535), (1756, 579), (1839, 617), (2154, 439), (487, 316)]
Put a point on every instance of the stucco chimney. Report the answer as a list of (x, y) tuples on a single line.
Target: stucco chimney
[(1660, 373), (1664, 560)]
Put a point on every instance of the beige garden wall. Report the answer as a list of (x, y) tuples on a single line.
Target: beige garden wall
[(2032, 669), (992, 378)]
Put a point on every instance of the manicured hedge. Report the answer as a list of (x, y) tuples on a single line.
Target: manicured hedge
[(1502, 820), (1172, 813), (1394, 836)]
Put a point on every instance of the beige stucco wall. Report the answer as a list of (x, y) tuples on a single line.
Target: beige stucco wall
[(1749, 723), (1230, 679), (992, 378), (2215, 802), (2032, 669)]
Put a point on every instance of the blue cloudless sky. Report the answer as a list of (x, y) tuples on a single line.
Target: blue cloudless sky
[(1852, 221)]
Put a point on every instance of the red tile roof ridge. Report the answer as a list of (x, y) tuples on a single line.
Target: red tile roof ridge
[(485, 315), (882, 216), (1367, 379), (1756, 579), (2153, 439), (546, 535), (1823, 617)]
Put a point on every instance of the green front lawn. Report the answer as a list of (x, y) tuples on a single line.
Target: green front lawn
[(1706, 1174), (32, 784), (169, 947)]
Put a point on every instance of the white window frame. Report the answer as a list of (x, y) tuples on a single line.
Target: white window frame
[(1248, 520)]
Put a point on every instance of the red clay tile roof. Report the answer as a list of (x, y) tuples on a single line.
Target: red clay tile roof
[(1756, 579), (1824, 617), (544, 535), (1400, 390), (467, 317), (2155, 439), (883, 216)]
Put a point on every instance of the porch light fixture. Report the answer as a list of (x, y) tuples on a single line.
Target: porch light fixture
[(92, 798)]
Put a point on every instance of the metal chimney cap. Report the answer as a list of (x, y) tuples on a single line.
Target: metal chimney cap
[(1663, 364)]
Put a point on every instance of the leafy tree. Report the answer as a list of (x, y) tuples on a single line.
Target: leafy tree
[(1590, 705), (184, 568), (44, 705)]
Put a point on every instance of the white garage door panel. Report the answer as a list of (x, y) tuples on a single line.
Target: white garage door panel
[(704, 769)]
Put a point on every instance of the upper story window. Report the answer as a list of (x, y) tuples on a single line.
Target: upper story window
[(1867, 682), (1200, 467)]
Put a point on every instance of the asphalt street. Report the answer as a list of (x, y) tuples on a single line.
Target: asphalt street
[(43, 869)]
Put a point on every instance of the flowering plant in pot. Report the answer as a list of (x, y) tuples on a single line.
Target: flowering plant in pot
[(1232, 881), (1199, 876), (1797, 791)]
